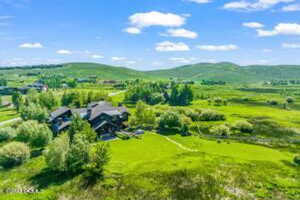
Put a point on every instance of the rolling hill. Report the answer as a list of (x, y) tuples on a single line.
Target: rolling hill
[(230, 72), (224, 71)]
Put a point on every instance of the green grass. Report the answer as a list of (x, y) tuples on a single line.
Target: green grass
[(7, 114), (156, 156), (238, 151)]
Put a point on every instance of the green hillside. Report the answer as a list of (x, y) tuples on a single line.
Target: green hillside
[(224, 71), (79, 70), (230, 72)]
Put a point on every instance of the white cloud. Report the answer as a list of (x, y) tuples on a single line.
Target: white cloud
[(155, 18), (36, 45), (253, 25), (132, 30), (64, 52), (291, 45), (118, 58), (253, 6), (229, 47), (291, 8), (170, 46), (96, 56), (281, 29), (182, 33), (264, 33), (182, 60), (200, 1)]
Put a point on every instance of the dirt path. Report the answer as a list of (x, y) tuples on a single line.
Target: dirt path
[(9, 121), (178, 144)]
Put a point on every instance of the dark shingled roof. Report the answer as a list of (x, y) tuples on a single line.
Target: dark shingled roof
[(59, 112), (103, 107)]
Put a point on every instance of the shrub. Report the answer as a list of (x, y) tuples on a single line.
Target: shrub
[(38, 135), (211, 115), (272, 102), (221, 130), (289, 100), (13, 154), (169, 120), (297, 160), (56, 153), (271, 128), (34, 112), (77, 155), (7, 133), (243, 127), (98, 158)]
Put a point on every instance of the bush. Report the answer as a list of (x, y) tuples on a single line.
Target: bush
[(290, 100), (56, 153), (7, 133), (297, 160), (243, 127), (77, 155), (271, 128), (34, 112), (38, 135), (13, 154), (211, 115), (169, 120), (221, 130), (273, 102), (98, 158)]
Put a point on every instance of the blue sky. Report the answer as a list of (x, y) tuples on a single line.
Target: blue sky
[(149, 34)]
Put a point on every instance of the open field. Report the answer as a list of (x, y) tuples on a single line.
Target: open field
[(154, 154)]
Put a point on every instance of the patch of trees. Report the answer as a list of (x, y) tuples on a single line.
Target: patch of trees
[(14, 154), (82, 98), (212, 82), (3, 82), (143, 117), (32, 67), (76, 152), (157, 92), (282, 82)]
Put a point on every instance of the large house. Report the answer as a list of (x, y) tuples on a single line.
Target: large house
[(103, 117)]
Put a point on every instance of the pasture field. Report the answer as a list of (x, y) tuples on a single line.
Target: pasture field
[(152, 156)]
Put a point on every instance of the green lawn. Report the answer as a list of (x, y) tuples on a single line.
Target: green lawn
[(7, 114)]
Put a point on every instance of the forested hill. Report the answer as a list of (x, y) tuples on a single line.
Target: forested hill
[(224, 71), (231, 72)]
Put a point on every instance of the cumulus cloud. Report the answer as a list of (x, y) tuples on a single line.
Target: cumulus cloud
[(281, 29), (253, 6), (64, 52), (291, 45), (132, 30), (253, 25), (291, 8), (229, 47), (118, 58), (181, 32), (200, 1), (171, 46), (155, 18), (36, 45)]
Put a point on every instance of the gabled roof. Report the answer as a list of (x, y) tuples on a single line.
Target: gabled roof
[(59, 112), (103, 107)]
